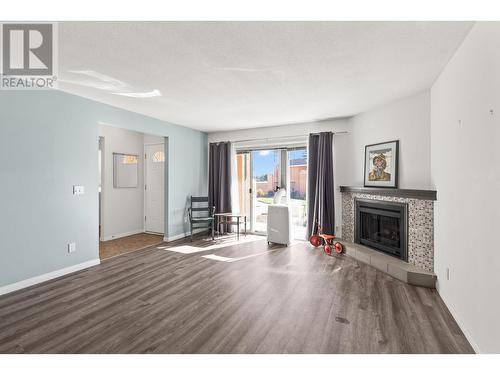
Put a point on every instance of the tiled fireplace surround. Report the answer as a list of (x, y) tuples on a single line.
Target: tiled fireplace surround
[(420, 220)]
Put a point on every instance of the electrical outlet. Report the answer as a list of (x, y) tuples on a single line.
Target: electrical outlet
[(71, 247), (447, 273)]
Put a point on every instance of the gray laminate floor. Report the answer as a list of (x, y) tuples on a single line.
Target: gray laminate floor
[(244, 298)]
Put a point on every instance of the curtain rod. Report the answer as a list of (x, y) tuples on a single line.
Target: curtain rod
[(287, 136)]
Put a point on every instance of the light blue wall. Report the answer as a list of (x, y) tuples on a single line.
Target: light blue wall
[(48, 143)]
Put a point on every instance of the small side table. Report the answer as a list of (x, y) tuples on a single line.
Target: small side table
[(228, 218)]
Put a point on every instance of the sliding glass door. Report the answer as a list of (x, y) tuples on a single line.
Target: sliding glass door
[(297, 183), (266, 174), (260, 173)]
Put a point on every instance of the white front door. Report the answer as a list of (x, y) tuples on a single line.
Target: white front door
[(155, 188)]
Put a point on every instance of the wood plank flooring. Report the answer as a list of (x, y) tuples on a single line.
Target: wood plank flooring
[(282, 300), (112, 248)]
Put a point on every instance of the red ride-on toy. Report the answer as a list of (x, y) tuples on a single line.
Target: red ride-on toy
[(327, 240), (327, 243), (339, 248)]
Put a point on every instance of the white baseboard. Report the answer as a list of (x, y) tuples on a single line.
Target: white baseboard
[(183, 235), (121, 235), (173, 238), (47, 276), (464, 330)]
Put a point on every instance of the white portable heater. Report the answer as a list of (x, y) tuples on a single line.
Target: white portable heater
[(278, 220)]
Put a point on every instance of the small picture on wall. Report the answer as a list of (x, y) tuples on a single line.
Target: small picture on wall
[(381, 165)]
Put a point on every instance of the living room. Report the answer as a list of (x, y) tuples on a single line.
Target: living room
[(321, 187)]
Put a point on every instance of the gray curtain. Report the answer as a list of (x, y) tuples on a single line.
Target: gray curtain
[(219, 176), (321, 208)]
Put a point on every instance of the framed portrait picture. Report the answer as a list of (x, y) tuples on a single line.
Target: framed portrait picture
[(381, 165)]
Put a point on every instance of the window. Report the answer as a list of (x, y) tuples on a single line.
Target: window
[(159, 157), (129, 159)]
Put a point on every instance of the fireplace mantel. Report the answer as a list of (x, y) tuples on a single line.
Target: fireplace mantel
[(388, 192)]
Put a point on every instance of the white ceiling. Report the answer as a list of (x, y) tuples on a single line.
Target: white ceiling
[(216, 76)]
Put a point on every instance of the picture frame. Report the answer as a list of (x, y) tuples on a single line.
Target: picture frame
[(125, 170), (382, 165)]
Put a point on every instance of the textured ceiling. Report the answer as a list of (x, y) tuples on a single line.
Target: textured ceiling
[(216, 76)]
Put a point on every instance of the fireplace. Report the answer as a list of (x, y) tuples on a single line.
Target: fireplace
[(382, 225)]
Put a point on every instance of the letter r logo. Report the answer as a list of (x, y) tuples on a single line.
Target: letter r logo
[(27, 49)]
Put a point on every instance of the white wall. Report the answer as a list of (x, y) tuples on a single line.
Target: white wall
[(465, 138), (122, 209), (153, 139), (406, 120), (302, 129)]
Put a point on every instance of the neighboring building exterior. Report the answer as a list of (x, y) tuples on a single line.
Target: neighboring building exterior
[(298, 178)]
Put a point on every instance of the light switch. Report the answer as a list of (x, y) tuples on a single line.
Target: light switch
[(71, 247), (78, 190)]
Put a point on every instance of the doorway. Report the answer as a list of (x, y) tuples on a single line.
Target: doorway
[(132, 190), (260, 173), (266, 179)]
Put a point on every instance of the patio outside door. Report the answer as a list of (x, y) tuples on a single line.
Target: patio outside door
[(266, 176), (260, 172)]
